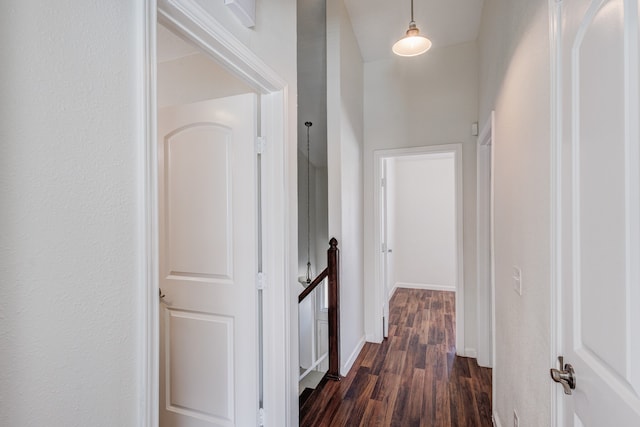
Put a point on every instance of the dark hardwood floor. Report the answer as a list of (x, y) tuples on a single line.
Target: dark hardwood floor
[(413, 378)]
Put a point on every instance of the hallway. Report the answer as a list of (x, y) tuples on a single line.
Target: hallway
[(412, 379)]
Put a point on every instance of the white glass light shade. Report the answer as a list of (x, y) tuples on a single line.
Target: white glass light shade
[(412, 44)]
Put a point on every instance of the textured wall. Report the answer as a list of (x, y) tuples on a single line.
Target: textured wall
[(345, 142), (68, 236), (514, 80), (69, 204), (412, 102)]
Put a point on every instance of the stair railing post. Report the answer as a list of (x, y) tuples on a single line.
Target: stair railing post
[(334, 310)]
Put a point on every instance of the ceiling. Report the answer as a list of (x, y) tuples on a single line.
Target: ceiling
[(378, 24), (171, 47)]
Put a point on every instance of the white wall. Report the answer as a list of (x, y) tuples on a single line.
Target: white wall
[(344, 151), (200, 79), (424, 221), (322, 220), (316, 225), (312, 77), (72, 97), (514, 79), (426, 100), (69, 249), (307, 225)]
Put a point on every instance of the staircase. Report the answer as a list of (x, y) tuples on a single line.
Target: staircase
[(331, 276)]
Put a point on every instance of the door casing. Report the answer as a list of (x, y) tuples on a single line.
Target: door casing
[(485, 251), (187, 18), (379, 293)]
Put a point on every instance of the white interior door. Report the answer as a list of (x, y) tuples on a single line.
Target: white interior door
[(600, 211), (208, 263)]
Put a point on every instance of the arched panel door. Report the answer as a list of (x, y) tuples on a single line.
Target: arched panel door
[(208, 263)]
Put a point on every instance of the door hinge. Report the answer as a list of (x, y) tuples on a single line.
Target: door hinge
[(384, 247), (383, 182), (261, 281), (261, 144), (261, 417)]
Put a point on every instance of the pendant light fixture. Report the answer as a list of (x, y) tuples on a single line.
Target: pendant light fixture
[(308, 125), (412, 44)]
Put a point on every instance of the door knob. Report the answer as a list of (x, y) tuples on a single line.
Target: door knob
[(565, 376)]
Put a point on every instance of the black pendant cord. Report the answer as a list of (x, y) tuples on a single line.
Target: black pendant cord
[(308, 125)]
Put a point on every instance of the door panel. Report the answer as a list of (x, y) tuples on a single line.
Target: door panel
[(208, 263), (600, 215), (207, 392), (599, 185), (198, 216)]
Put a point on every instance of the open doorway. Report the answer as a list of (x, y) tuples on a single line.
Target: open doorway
[(210, 348), (198, 152), (419, 225)]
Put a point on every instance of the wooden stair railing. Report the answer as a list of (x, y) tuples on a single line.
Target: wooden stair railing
[(333, 289)]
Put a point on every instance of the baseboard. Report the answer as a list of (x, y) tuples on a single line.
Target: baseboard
[(425, 286), (496, 420), (471, 352), (372, 338), (352, 358)]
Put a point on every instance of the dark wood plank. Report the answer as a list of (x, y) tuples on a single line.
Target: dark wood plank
[(413, 378)]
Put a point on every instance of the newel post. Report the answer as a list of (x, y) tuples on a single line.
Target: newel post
[(334, 310)]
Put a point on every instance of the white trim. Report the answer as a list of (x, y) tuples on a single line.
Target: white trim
[(470, 352), (281, 384), (148, 364), (429, 286), (392, 292), (189, 19), (485, 304), (378, 293), (344, 369), (371, 338), (555, 292), (313, 366)]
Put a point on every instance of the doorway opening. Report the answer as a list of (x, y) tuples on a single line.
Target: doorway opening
[(418, 226), (265, 99), (210, 346)]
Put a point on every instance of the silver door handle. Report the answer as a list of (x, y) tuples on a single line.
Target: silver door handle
[(565, 376)]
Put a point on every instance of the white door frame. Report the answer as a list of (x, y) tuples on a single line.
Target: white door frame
[(190, 20), (555, 300), (486, 289), (378, 292)]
